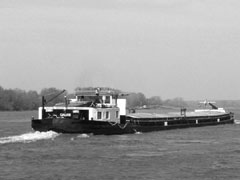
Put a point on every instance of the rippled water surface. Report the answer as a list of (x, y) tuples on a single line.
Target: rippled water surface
[(193, 153)]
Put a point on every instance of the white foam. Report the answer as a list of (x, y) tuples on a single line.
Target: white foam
[(236, 121), (29, 137), (83, 136)]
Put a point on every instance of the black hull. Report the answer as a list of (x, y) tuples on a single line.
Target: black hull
[(66, 125)]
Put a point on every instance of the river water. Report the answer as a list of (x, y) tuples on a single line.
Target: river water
[(194, 153)]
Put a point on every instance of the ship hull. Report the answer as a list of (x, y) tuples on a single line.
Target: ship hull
[(128, 125)]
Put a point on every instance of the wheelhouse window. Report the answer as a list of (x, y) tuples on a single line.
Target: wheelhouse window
[(117, 114), (107, 99), (99, 115), (107, 115)]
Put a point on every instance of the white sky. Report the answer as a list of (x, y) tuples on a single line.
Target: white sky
[(170, 48)]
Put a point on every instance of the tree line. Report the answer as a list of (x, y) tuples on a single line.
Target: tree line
[(139, 100), (19, 100)]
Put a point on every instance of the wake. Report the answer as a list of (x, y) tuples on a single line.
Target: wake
[(29, 137)]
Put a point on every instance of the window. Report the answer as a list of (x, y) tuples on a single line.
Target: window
[(117, 114), (107, 99), (107, 115), (99, 115)]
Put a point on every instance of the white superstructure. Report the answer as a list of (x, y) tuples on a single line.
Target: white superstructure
[(88, 105)]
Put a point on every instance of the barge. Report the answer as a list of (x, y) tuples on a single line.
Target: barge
[(102, 111)]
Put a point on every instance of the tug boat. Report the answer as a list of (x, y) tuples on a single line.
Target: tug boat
[(103, 111)]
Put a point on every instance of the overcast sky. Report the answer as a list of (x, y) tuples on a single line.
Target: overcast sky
[(170, 48)]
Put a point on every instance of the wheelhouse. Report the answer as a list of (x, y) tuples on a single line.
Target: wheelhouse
[(97, 105)]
